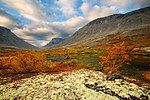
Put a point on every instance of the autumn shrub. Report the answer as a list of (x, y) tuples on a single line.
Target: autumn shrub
[(14, 65), (3, 63), (61, 67), (50, 66), (9, 65), (7, 53), (6, 62), (147, 75), (32, 61), (24, 62), (117, 55), (65, 66)]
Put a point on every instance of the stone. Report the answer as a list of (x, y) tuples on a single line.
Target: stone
[(114, 76)]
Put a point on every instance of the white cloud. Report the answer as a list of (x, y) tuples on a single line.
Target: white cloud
[(127, 3), (31, 32), (49, 30), (39, 43), (67, 7), (93, 12), (7, 20), (85, 8), (29, 9), (117, 3), (71, 25)]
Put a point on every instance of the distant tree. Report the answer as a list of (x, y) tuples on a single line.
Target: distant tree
[(117, 55)]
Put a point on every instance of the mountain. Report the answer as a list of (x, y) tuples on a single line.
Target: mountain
[(10, 41), (53, 42), (133, 24)]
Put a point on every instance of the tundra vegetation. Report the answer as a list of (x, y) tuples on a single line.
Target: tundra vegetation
[(117, 58)]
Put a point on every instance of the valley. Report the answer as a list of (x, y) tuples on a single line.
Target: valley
[(107, 59)]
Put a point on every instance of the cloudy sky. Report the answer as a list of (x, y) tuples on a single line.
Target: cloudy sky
[(38, 21)]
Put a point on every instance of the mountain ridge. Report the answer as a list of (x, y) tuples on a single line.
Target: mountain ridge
[(53, 42), (101, 27)]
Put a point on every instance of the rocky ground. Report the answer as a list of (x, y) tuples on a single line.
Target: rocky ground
[(75, 85)]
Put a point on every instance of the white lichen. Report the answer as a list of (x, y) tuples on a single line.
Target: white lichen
[(68, 85)]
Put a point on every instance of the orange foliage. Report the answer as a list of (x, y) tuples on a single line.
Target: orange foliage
[(23, 62), (64, 66), (31, 61), (111, 69), (117, 55), (8, 65), (6, 53), (147, 75)]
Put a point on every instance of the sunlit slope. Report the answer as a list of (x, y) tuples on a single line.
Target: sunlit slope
[(132, 24)]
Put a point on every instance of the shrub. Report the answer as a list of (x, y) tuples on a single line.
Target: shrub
[(23, 62), (147, 75), (9, 65), (65, 66), (117, 55), (31, 61), (50, 66)]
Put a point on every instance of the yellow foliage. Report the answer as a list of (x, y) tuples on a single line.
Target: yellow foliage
[(51, 65)]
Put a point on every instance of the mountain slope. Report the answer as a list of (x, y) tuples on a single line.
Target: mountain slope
[(98, 29), (10, 40), (53, 42)]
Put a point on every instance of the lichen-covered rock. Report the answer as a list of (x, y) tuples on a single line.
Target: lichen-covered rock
[(76, 85), (114, 76)]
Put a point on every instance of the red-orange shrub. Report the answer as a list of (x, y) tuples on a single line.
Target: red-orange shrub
[(117, 55), (23, 62), (65, 66), (147, 75), (9, 65), (31, 61)]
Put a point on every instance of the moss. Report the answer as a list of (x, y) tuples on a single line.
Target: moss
[(87, 57)]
